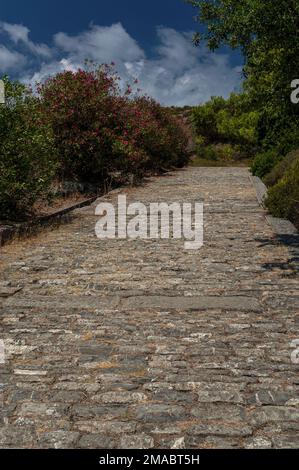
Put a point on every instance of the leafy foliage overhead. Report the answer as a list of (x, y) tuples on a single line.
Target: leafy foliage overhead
[(267, 32)]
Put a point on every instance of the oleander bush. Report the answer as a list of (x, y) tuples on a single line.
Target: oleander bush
[(86, 116), (98, 130), (79, 126), (163, 136)]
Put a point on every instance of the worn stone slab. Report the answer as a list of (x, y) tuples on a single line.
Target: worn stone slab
[(67, 302), (6, 292), (282, 226), (193, 303)]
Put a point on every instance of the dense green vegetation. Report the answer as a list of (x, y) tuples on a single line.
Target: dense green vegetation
[(226, 130), (27, 154), (283, 180), (267, 122), (79, 127)]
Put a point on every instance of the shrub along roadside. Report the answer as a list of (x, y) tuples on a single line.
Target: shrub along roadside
[(27, 153), (278, 172), (229, 130), (80, 127), (266, 33), (281, 175), (97, 130), (265, 162), (283, 196)]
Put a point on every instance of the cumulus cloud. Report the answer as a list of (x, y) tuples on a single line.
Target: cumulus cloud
[(49, 69), (184, 75), (101, 44), (10, 60), (178, 73), (19, 34)]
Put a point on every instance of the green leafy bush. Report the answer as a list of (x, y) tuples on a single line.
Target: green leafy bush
[(283, 198), (264, 162), (204, 118), (227, 152), (264, 31), (200, 145), (230, 122), (27, 155), (240, 129), (279, 131), (278, 172), (208, 152)]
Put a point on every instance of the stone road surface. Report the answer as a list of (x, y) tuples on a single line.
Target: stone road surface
[(141, 344)]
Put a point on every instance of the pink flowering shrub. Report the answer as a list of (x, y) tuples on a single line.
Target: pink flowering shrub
[(163, 136), (98, 130)]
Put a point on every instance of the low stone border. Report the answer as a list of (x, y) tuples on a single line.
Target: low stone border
[(285, 231), (261, 189), (10, 232), (26, 229)]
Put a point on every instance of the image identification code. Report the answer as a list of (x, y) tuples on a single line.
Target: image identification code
[(151, 459)]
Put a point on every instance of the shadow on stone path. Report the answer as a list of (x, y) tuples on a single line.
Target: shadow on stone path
[(141, 344)]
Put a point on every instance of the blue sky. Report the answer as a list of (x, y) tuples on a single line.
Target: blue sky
[(150, 40)]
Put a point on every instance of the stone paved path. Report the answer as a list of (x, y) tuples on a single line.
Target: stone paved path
[(140, 344)]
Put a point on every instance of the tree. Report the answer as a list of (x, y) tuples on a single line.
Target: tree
[(267, 33)]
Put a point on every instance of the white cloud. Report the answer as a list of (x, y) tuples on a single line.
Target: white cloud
[(178, 74), (18, 33), (101, 44), (49, 69), (10, 60), (184, 75)]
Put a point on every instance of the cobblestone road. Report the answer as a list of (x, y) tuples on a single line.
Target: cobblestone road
[(141, 344)]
